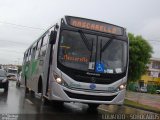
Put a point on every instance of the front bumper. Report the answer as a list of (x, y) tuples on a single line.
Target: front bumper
[(61, 93)]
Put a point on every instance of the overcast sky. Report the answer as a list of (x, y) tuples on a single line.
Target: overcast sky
[(141, 17)]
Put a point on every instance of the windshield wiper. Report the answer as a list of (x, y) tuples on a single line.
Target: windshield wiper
[(104, 47), (84, 38)]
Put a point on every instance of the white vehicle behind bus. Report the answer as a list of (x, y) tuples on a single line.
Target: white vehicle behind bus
[(12, 73)]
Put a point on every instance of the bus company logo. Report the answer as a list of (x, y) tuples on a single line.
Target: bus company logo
[(92, 86)]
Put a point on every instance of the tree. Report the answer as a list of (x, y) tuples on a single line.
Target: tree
[(140, 53)]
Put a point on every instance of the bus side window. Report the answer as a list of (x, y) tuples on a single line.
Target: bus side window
[(42, 41), (25, 57), (39, 44), (45, 40), (33, 51), (44, 46), (36, 45), (29, 55), (39, 54), (38, 49)]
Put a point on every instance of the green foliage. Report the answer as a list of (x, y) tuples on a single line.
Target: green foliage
[(131, 86), (139, 54), (151, 89)]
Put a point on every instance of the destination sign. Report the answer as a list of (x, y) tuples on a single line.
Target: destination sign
[(94, 25)]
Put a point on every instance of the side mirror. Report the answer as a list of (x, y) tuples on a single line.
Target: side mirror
[(53, 37)]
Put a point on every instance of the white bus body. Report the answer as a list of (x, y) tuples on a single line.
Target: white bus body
[(64, 70)]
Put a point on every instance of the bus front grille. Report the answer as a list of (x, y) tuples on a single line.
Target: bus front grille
[(89, 97)]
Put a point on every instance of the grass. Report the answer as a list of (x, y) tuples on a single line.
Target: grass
[(140, 106)]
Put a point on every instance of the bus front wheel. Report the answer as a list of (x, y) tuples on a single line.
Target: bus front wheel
[(45, 101)]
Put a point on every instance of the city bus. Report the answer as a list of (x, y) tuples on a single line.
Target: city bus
[(78, 60)]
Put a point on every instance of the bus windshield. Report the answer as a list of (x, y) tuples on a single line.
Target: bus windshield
[(81, 51)]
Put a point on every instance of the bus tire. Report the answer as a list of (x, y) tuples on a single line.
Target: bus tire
[(45, 101)]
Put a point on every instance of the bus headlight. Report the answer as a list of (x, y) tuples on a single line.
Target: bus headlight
[(59, 80), (121, 87)]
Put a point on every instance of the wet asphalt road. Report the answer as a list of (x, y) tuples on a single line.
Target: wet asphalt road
[(16, 105)]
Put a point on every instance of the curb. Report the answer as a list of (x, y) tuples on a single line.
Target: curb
[(142, 108)]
